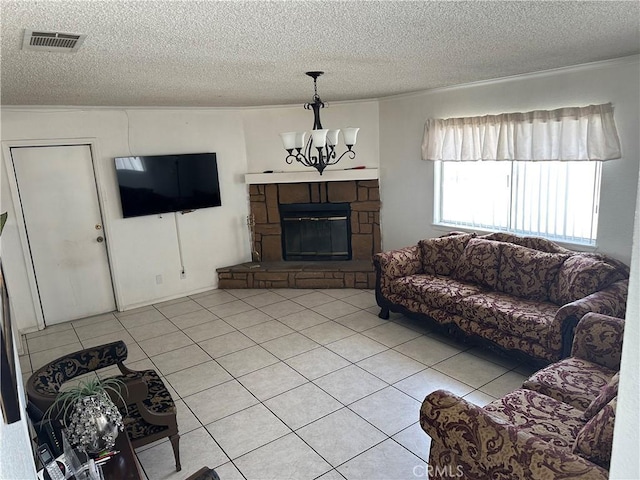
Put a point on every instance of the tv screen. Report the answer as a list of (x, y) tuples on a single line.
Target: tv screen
[(167, 183)]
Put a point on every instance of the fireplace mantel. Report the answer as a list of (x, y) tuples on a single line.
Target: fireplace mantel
[(312, 175)]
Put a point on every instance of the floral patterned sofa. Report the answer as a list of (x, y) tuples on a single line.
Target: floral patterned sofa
[(522, 295), (558, 425)]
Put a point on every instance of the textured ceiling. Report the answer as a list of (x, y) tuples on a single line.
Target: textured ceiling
[(249, 53)]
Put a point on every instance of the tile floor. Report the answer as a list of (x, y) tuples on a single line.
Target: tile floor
[(299, 384)]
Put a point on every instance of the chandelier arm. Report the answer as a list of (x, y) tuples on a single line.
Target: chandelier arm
[(325, 158), (313, 159), (307, 152), (306, 161), (351, 153), (290, 158)]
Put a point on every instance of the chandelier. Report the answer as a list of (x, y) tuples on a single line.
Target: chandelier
[(319, 150)]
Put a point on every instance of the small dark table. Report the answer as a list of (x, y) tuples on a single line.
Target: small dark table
[(124, 465)]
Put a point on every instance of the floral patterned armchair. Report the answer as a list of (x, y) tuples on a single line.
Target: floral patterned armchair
[(594, 361), (150, 412), (558, 426)]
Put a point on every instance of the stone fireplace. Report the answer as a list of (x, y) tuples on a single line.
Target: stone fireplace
[(271, 202), (363, 197)]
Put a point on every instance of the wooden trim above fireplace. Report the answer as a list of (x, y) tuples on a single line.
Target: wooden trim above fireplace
[(312, 176)]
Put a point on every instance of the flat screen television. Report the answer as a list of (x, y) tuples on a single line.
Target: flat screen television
[(167, 183)]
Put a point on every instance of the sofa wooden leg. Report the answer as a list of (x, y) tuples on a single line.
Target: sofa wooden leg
[(175, 443), (384, 313)]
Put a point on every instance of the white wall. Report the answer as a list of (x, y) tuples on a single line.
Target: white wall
[(15, 444), (407, 186), (407, 181), (245, 140), (625, 462), (142, 248), (264, 125)]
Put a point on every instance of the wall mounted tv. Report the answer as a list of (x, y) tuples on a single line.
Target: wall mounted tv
[(167, 183)]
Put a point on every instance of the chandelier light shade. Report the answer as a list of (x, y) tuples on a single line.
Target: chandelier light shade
[(318, 149)]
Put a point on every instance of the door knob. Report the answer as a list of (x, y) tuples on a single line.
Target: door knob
[(100, 239)]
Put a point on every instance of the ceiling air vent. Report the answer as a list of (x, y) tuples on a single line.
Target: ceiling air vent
[(51, 41)]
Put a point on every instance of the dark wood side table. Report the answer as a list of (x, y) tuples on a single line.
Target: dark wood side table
[(124, 465)]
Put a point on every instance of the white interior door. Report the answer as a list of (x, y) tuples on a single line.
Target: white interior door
[(62, 217)]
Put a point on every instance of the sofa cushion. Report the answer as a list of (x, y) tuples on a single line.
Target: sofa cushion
[(479, 263), (574, 381), (502, 237), (607, 393), (536, 243), (543, 245), (527, 273), (530, 319), (582, 275), (440, 255), (511, 342), (595, 439), (552, 421), (436, 292)]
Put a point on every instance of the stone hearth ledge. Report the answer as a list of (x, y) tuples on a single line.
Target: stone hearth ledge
[(332, 274), (311, 175)]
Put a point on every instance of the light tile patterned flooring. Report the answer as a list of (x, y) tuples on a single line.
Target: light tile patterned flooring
[(286, 383)]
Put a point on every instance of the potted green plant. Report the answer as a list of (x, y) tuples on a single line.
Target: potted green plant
[(89, 415)]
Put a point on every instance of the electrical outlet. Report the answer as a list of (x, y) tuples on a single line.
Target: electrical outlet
[(183, 275), (158, 279)]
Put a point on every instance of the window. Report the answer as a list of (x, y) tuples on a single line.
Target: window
[(556, 200), (532, 173)]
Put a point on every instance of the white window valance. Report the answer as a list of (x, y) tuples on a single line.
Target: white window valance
[(573, 133)]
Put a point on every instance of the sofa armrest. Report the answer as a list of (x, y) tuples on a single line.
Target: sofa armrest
[(467, 439), (598, 339), (390, 265), (399, 263), (611, 301)]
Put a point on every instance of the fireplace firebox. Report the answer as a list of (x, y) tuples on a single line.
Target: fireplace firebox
[(316, 231)]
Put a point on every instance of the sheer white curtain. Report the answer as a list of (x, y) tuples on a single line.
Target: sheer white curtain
[(565, 134)]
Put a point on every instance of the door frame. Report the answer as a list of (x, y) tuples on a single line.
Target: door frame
[(92, 143)]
